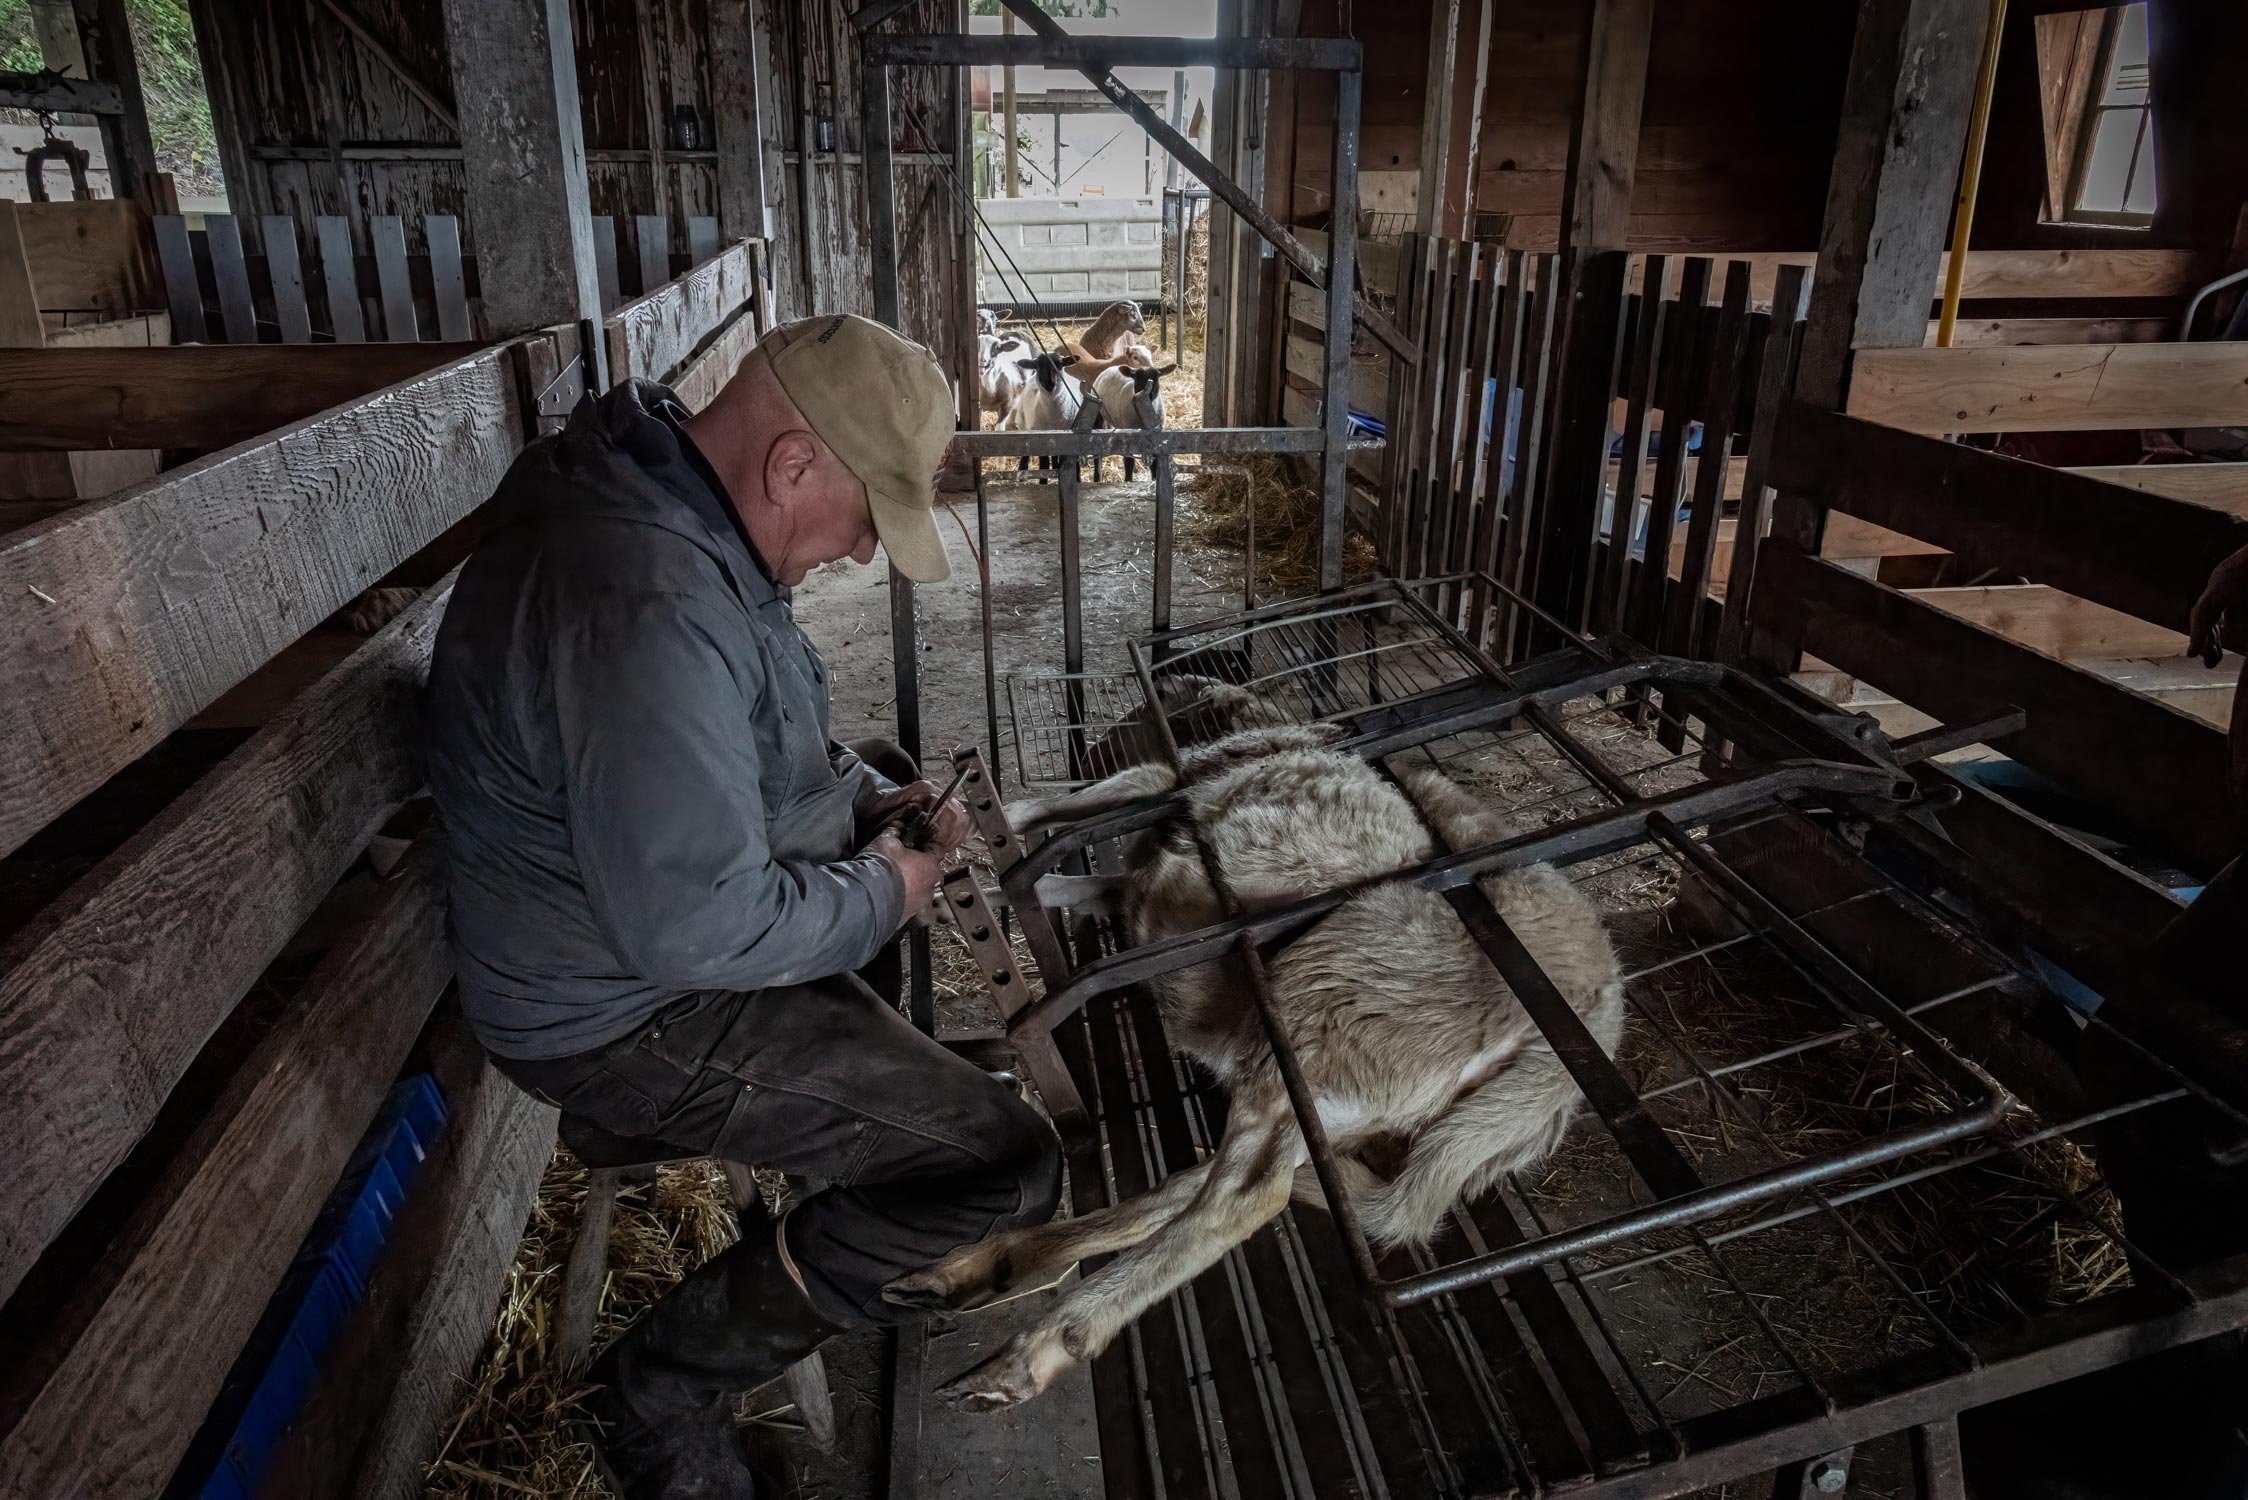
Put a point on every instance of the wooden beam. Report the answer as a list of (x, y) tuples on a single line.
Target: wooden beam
[(122, 619), (152, 1328), (1604, 132), (2062, 388), (702, 377), (381, 52), (2224, 486), (60, 96), (94, 1028), (649, 337), (736, 104), (1904, 116), (523, 162), (190, 396), (2002, 274), (2144, 554), (107, 37), (395, 1375), (1970, 333), (2153, 765), (2045, 619)]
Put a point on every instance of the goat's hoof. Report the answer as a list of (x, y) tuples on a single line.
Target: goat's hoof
[(1008, 1378)]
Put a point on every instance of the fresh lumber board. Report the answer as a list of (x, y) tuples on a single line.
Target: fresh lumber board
[(123, 618), (2057, 388), (2145, 554), (108, 994), (98, 255), (707, 373), (1978, 332), (151, 1330), (2222, 486), (2045, 619), (396, 1375), (189, 396), (651, 336), (2158, 767)]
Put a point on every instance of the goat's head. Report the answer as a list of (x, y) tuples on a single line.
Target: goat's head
[(1118, 321), (996, 348), (1048, 369), (1145, 382)]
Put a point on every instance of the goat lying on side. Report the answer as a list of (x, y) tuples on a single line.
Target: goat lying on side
[(1117, 387), (1405, 1032)]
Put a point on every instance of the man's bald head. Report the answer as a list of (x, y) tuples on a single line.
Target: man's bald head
[(800, 503)]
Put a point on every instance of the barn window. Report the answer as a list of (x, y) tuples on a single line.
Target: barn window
[(2099, 131)]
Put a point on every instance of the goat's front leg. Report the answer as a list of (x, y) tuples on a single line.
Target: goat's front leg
[(1245, 1187), (978, 1274), (1121, 790)]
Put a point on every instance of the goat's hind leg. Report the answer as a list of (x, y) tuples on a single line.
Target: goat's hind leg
[(1121, 790), (978, 1274), (1245, 1187)]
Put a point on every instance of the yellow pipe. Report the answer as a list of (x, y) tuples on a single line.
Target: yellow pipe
[(1971, 173)]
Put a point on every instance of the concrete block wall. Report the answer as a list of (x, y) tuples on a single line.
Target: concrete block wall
[(1072, 250)]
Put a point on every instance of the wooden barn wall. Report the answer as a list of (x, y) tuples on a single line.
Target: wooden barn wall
[(311, 122), (821, 257), (1739, 126)]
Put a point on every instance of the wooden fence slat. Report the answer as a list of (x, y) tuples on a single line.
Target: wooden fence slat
[(1683, 366), (1420, 437), (702, 237), (605, 262), (95, 1032), (1469, 510), (1773, 380), (2083, 730), (1639, 396), (651, 336), (1579, 464), (1523, 502), (2221, 486), (283, 269), (396, 282), (2145, 554), (651, 234), (2045, 619), (1506, 363), (1719, 405), (236, 310), (443, 232), (210, 396), (127, 616), (2061, 388), (183, 290), (153, 1327), (1444, 497), (339, 272)]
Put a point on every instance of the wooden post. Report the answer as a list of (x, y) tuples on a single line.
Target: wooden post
[(737, 81), (1904, 118), (523, 165), (108, 44), (1458, 65), (1007, 98), (1604, 136)]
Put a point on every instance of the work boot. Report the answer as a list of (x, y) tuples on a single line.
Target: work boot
[(667, 1384)]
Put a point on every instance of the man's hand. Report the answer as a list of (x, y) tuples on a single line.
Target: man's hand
[(922, 868)]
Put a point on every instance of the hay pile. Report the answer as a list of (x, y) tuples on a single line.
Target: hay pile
[(514, 1435), (1224, 503)]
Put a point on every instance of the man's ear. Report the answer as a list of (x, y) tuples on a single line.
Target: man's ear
[(792, 455)]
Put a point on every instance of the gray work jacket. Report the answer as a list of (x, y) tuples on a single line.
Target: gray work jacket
[(628, 741)]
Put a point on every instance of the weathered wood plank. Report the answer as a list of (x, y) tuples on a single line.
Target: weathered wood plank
[(650, 336), (152, 1328), (605, 262), (399, 324), (339, 273), (2144, 554), (702, 377), (447, 278), (108, 994), (206, 396), (232, 273), (2060, 388), (2000, 274), (2045, 619), (125, 617), (2224, 486), (2082, 730), (96, 255), (651, 238), (1604, 131), (1979, 332), (279, 233), (395, 1374), (182, 292)]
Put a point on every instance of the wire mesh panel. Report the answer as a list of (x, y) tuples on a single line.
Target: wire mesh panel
[(1831, 1183)]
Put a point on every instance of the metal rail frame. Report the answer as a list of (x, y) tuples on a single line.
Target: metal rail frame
[(1835, 761)]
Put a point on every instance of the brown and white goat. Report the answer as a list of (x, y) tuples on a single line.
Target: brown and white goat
[(1405, 1032)]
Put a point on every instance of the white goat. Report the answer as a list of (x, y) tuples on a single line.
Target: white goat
[(987, 319), (1050, 398), (1001, 380), (1117, 386), (1405, 1032)]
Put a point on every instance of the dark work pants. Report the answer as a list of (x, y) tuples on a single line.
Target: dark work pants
[(921, 1152)]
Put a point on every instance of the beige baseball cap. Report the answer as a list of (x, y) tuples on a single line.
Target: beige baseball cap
[(882, 402)]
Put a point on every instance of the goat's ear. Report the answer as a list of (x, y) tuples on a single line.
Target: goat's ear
[(1163, 371), (1026, 364), (1003, 314), (1064, 361), (1009, 342)]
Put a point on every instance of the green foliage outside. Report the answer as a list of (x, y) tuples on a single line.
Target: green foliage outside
[(1060, 9), (179, 112)]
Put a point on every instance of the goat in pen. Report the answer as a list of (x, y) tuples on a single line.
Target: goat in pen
[(1405, 1032)]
